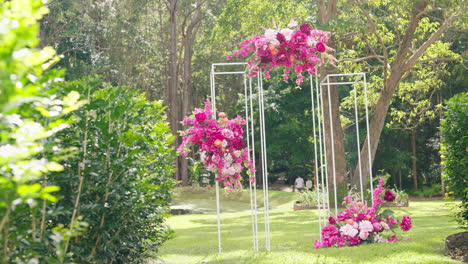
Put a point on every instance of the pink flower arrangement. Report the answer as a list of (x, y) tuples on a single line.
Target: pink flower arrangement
[(297, 50), (220, 145), (360, 224)]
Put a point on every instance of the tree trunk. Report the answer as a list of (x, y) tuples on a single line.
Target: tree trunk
[(338, 140), (326, 13), (189, 39), (172, 81), (414, 158)]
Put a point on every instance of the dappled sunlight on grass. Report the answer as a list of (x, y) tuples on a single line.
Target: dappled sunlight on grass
[(292, 234)]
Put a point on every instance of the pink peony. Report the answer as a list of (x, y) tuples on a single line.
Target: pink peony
[(406, 223), (331, 220), (377, 226)]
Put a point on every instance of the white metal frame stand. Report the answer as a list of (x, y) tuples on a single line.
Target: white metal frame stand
[(323, 195), (320, 148), (248, 93)]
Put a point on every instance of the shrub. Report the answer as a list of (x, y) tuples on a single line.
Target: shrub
[(120, 181), (29, 115), (401, 197), (454, 148), (429, 191), (308, 197)]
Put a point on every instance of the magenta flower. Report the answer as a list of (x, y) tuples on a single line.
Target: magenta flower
[(358, 222), (406, 223), (200, 117), (389, 196), (292, 49), (220, 144), (320, 47), (305, 28)]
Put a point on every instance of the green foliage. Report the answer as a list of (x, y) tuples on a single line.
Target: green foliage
[(434, 190), (460, 213), (454, 150), (30, 115), (121, 178), (308, 197), (401, 197), (455, 144)]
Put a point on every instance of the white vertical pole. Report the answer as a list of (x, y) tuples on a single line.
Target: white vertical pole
[(321, 146), (264, 164), (252, 210), (368, 139), (253, 160), (315, 155), (213, 109), (358, 141), (332, 145), (327, 195)]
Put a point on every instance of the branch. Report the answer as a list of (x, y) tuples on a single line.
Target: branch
[(362, 59), (435, 36), (373, 27)]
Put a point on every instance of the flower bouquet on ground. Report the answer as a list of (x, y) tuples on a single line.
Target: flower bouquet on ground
[(220, 145), (361, 224), (298, 49)]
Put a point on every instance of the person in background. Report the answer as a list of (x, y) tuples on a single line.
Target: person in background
[(309, 184), (299, 184)]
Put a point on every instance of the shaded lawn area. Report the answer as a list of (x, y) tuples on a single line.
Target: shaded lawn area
[(292, 235)]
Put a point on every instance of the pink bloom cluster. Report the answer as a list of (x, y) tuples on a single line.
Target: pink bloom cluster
[(220, 145), (359, 223), (293, 49)]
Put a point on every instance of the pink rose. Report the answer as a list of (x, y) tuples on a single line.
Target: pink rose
[(320, 47)]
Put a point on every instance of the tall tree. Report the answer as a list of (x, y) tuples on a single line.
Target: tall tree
[(172, 87), (190, 26), (327, 12), (400, 39)]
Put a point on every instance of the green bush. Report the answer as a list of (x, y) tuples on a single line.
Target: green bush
[(30, 114), (454, 150), (401, 197), (120, 181), (308, 197), (434, 190)]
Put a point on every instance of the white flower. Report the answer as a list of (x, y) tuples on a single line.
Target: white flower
[(237, 153), (385, 226), (363, 235), (349, 230), (378, 239), (212, 168), (366, 226), (287, 33), (270, 37), (292, 23), (237, 167), (230, 171)]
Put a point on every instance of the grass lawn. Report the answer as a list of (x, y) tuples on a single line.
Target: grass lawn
[(292, 234)]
